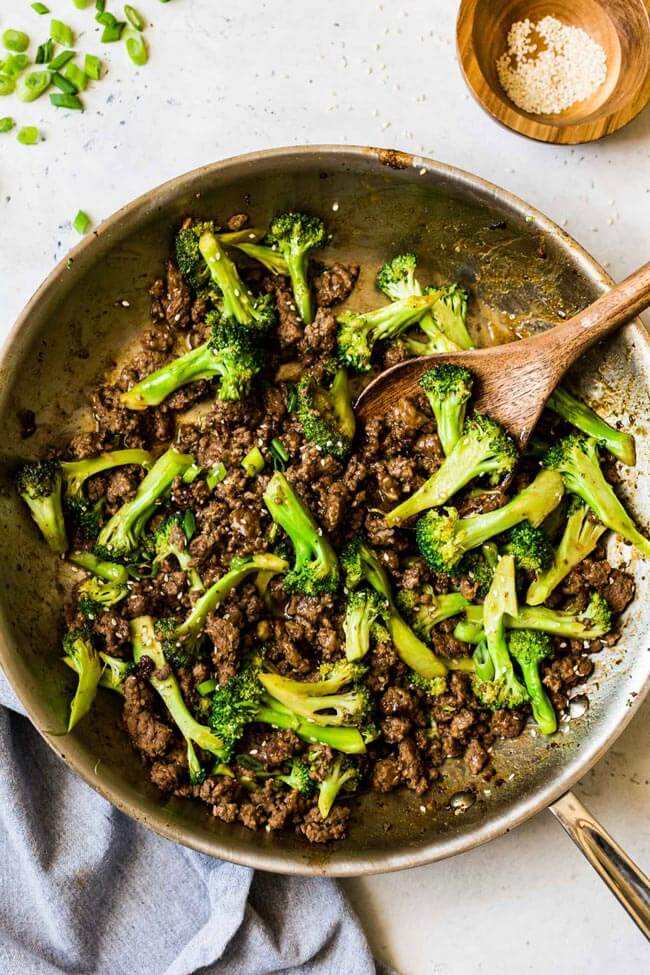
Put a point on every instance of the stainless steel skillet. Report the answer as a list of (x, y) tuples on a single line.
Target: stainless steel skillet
[(526, 274)]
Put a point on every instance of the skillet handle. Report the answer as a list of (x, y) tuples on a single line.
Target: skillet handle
[(625, 880)]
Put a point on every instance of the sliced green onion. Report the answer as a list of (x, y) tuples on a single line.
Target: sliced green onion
[(40, 8), (7, 124), (100, 6), (93, 67), (134, 18), (45, 52), (112, 34), (7, 85), (279, 454), (31, 86), (61, 59), (206, 686), (15, 40), (61, 33), (74, 74), (67, 101), (253, 462), (292, 397), (191, 474), (82, 4), (15, 64), (136, 47), (216, 475), (63, 84), (81, 222), (28, 135)]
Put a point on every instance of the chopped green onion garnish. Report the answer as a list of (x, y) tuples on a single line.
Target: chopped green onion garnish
[(31, 86), (81, 222), (137, 48), (74, 74), (61, 33), (189, 525), (207, 686), (40, 8), (28, 135), (279, 454), (6, 124), (7, 85), (93, 67), (191, 474), (61, 59), (292, 397), (107, 19), (82, 4), (100, 6), (253, 462), (15, 64), (216, 475), (134, 18), (15, 40), (63, 84), (67, 101), (45, 52), (112, 34)]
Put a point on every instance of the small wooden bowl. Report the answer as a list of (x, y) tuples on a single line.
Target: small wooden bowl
[(622, 27)]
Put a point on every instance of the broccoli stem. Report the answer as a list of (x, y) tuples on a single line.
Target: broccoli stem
[(297, 264), (85, 661), (532, 504), (197, 364), (330, 787), (76, 472), (237, 299), (411, 649), (543, 711), (574, 411), (450, 313), (580, 537), (270, 258), (343, 739), (110, 571), (145, 644), (500, 600), (483, 663), (554, 621)]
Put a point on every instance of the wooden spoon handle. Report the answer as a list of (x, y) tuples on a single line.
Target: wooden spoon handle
[(618, 305)]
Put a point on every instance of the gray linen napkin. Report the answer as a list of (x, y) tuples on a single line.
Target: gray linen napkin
[(85, 889)]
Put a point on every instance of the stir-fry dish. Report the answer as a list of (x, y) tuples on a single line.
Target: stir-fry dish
[(294, 607)]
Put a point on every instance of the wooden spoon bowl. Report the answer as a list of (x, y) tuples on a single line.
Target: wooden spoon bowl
[(621, 27)]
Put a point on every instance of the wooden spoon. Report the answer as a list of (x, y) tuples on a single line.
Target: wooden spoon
[(513, 381)]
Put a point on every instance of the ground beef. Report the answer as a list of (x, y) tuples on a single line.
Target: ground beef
[(177, 300), (148, 733), (290, 327), (319, 830), (334, 284)]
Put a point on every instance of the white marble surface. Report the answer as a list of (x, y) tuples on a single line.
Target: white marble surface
[(226, 78)]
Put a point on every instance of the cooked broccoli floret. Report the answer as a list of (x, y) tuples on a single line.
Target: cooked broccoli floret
[(484, 448), (198, 250), (146, 644), (242, 699), (424, 609), (325, 410), (295, 235), (181, 640), (96, 597), (431, 686), (529, 649), (360, 564), (479, 565), (299, 777), (170, 539), (580, 537), (84, 659), (120, 537), (450, 313), (397, 280), (530, 547), (448, 389), (578, 414), (39, 484), (364, 607), (315, 569), (321, 706), (576, 458), (233, 352), (343, 775), (111, 571), (443, 537), (593, 622), (359, 331), (503, 690), (114, 671)]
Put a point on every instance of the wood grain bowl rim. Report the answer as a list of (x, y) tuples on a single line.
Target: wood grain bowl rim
[(508, 115)]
